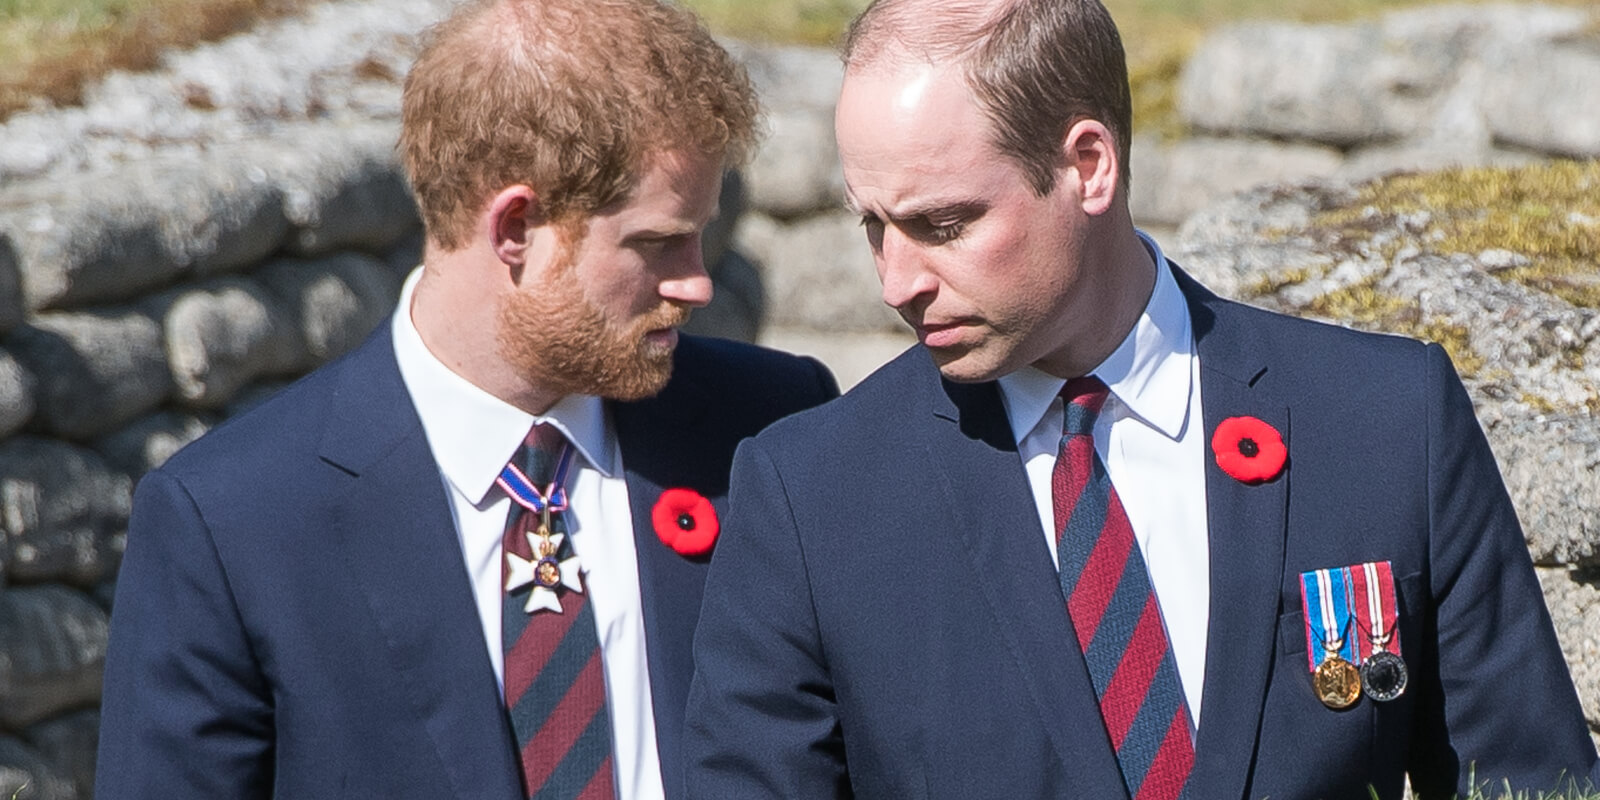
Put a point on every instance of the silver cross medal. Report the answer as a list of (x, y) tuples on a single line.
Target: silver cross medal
[(544, 571)]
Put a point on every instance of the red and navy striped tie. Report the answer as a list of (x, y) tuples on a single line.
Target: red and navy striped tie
[(554, 681), (1114, 611)]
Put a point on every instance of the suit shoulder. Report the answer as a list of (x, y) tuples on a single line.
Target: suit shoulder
[(869, 409), (754, 373), (1316, 350)]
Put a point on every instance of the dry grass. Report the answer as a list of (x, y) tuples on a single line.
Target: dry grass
[(50, 48)]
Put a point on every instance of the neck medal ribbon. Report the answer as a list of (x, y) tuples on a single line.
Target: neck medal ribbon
[(554, 564), (1330, 650)]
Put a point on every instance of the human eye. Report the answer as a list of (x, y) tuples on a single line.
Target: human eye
[(874, 228), (943, 232)]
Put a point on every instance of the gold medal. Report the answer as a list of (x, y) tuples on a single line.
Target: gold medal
[(1337, 682)]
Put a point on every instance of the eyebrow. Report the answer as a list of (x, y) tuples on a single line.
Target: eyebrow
[(932, 209)]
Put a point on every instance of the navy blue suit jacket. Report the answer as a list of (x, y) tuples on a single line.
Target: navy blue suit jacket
[(883, 618), (293, 617)]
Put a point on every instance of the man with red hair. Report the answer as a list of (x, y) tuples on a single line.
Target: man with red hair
[(466, 560)]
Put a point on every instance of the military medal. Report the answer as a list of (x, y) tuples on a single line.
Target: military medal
[(1383, 671), (1331, 654), (1337, 682), (553, 564)]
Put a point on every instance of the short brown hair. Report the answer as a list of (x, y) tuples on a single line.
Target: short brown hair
[(567, 96), (1037, 67)]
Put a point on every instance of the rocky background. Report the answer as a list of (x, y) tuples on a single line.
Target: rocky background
[(194, 237)]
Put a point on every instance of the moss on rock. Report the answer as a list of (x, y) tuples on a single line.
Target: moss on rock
[(1537, 225)]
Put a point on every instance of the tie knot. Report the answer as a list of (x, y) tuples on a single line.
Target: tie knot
[(1083, 398), (539, 452)]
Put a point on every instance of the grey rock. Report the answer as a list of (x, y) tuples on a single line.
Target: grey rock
[(85, 239), (817, 273), (1548, 99), (796, 170), (104, 592), (1172, 181), (27, 775), (1429, 155), (68, 743), (335, 302), (12, 309), (54, 656), (64, 512), (104, 236), (718, 235), (1552, 469), (736, 307), (221, 335), (148, 443), (406, 255), (16, 394), (95, 370), (789, 77), (343, 189), (1289, 81), (1573, 597)]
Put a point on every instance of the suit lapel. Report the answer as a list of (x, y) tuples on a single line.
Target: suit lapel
[(664, 447), (1246, 528), (972, 445), (394, 529)]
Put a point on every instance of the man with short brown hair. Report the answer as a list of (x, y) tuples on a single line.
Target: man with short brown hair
[(466, 560), (1103, 534)]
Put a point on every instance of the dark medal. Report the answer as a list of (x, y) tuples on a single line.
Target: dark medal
[(1383, 676)]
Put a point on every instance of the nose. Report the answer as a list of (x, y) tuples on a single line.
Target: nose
[(689, 283), (903, 270)]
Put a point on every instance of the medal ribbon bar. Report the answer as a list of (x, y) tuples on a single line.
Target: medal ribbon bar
[(1325, 597), (1372, 585)]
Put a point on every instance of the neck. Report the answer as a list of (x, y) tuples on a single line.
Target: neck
[(455, 309), (1123, 278)]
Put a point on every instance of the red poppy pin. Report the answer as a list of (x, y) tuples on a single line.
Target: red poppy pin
[(685, 522), (1249, 450)]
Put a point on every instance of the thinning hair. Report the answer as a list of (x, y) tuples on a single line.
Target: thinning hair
[(570, 97), (1036, 67)]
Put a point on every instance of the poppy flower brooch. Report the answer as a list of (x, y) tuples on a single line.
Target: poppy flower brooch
[(685, 521), (1249, 450)]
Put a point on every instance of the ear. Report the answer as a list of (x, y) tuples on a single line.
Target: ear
[(509, 223), (1093, 162)]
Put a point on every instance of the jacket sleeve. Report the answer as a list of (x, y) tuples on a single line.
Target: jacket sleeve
[(1504, 707), (186, 712), (762, 717)]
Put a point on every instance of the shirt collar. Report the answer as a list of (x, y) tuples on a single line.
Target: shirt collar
[(473, 433), (1149, 372)]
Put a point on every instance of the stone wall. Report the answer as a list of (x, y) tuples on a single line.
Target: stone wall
[(194, 237), (1418, 89)]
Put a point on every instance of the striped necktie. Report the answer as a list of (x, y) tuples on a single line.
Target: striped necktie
[(555, 687), (1114, 611)]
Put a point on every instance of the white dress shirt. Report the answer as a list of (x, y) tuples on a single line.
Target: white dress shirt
[(1151, 436), (472, 435)]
